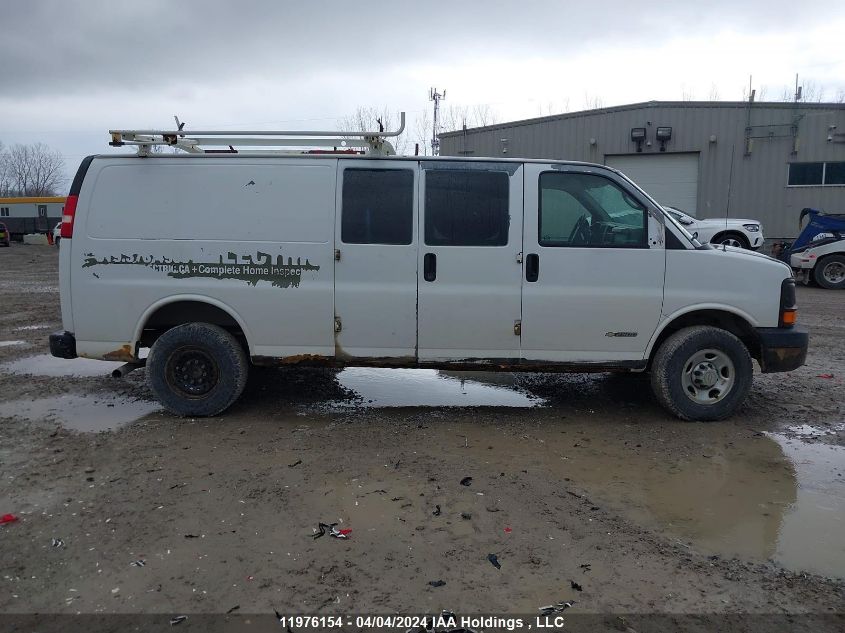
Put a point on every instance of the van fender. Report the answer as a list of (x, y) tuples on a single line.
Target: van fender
[(667, 320), (152, 308)]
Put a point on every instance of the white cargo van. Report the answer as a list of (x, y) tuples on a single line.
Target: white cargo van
[(218, 260)]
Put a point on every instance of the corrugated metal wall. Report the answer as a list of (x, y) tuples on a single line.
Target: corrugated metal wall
[(731, 183)]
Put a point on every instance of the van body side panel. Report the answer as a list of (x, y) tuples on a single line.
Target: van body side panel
[(253, 235)]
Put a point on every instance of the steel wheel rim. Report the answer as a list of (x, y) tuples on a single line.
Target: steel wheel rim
[(192, 371), (708, 376), (834, 272), (730, 241)]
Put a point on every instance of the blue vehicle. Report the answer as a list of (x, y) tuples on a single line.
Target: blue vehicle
[(818, 254)]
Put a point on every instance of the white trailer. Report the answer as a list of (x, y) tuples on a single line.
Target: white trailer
[(26, 215)]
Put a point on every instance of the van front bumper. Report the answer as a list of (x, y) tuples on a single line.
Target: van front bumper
[(63, 345), (782, 349)]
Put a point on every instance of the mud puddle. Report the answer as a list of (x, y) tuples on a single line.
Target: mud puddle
[(90, 414), (47, 365), (726, 491), (432, 388)]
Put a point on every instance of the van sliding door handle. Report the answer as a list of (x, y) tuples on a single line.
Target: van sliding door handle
[(532, 267), (430, 267)]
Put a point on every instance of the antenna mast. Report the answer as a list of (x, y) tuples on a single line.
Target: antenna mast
[(435, 96)]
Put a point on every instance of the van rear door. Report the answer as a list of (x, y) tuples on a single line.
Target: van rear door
[(469, 270)]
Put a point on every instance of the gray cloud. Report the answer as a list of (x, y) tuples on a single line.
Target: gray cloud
[(52, 46)]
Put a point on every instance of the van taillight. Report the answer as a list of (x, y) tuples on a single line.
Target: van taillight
[(67, 217)]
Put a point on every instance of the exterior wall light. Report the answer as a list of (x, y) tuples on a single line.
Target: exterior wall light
[(663, 134), (638, 136)]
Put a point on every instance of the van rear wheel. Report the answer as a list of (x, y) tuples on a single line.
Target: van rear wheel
[(702, 373), (197, 369)]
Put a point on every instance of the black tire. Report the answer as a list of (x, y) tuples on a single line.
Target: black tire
[(197, 369), (822, 272), (673, 368), (739, 237)]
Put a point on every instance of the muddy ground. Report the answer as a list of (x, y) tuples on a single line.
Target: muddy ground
[(576, 480)]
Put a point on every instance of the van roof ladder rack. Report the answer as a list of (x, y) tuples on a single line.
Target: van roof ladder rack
[(192, 141)]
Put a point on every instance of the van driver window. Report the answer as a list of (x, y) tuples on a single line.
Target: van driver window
[(589, 211), (378, 206)]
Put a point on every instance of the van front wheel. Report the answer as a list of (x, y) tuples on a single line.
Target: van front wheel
[(701, 373), (197, 369)]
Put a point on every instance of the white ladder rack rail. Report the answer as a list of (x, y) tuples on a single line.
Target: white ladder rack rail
[(192, 141)]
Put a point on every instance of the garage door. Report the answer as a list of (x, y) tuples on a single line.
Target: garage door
[(671, 179)]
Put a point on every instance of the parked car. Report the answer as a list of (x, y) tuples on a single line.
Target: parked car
[(57, 233), (448, 263), (729, 231), (4, 235)]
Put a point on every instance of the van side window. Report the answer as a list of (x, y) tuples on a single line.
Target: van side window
[(466, 208), (586, 210), (378, 206)]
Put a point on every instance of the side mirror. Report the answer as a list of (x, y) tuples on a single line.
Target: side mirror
[(686, 222)]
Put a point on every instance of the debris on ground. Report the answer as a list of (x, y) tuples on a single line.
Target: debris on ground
[(494, 560), (436, 510), (295, 464), (57, 542), (8, 518), (466, 481), (192, 536), (466, 516), (587, 567), (436, 583), (138, 563), (560, 607), (827, 376), (331, 529), (233, 609), (178, 620), (576, 586), (508, 530)]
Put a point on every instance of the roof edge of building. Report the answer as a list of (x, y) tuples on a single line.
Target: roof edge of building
[(786, 105), (31, 199)]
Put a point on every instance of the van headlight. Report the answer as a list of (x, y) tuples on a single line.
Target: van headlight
[(751, 228)]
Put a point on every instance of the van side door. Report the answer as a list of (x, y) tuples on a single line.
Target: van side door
[(594, 266), (469, 269), (376, 260)]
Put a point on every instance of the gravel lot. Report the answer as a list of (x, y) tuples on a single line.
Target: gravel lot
[(576, 480)]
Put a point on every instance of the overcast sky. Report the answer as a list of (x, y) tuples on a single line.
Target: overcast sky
[(70, 70)]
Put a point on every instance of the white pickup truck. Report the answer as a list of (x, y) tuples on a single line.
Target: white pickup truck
[(216, 261)]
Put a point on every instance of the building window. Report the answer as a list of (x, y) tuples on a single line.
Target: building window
[(466, 208), (588, 211), (816, 174), (4, 212), (378, 206)]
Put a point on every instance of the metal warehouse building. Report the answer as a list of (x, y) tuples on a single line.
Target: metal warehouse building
[(765, 161)]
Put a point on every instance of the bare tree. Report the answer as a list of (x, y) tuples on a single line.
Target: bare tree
[(423, 131), (687, 94), (367, 118), (5, 185), (454, 117), (592, 103), (714, 92), (31, 170)]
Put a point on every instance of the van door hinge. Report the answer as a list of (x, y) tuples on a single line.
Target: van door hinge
[(517, 327), (519, 257), (338, 326), (337, 254)]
